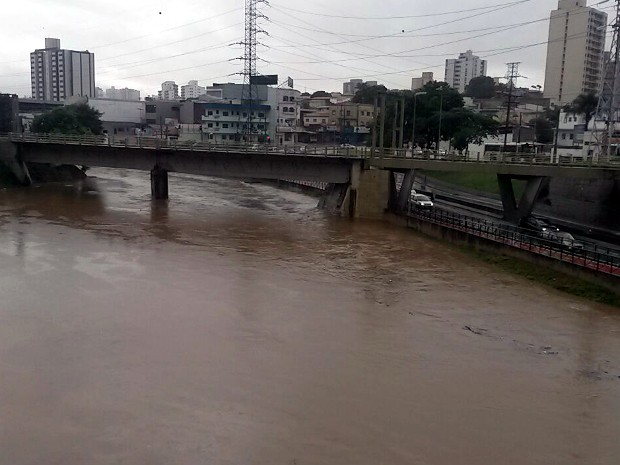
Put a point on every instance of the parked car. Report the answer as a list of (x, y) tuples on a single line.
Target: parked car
[(421, 201), (563, 238), (537, 225)]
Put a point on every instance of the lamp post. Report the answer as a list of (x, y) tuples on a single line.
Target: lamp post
[(440, 116), (415, 104)]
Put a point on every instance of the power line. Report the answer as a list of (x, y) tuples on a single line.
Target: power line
[(406, 16)]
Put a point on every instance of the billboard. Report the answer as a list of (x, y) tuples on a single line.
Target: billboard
[(269, 80)]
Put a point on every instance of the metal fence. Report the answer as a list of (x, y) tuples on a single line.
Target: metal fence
[(590, 256)]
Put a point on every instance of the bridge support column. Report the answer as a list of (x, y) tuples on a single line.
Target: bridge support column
[(159, 183), (404, 195), (515, 212), (9, 156)]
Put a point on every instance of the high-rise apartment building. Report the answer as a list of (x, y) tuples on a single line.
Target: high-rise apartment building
[(575, 51), (192, 90), (460, 71), (169, 91), (57, 74)]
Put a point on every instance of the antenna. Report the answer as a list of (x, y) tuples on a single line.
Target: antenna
[(512, 75)]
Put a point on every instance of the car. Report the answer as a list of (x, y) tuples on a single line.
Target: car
[(562, 238), (421, 201), (347, 146), (538, 225)]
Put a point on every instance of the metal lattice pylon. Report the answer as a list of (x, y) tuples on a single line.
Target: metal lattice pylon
[(608, 108), (250, 57)]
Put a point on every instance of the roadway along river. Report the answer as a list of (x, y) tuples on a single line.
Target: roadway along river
[(238, 325)]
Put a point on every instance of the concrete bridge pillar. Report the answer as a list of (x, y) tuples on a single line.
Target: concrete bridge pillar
[(9, 156), (515, 212), (404, 195), (159, 183)]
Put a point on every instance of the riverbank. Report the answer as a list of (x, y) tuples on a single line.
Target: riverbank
[(554, 275), (42, 173)]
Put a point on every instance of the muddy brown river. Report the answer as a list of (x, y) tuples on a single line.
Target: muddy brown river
[(238, 325)]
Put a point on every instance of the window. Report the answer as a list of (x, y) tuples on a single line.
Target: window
[(285, 98), (217, 112), (291, 110), (284, 110), (292, 99), (348, 112), (225, 113), (225, 125), (209, 125), (209, 113), (261, 115)]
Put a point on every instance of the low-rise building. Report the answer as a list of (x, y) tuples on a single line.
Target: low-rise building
[(419, 82), (227, 122)]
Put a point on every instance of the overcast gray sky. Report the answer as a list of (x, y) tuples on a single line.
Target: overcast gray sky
[(320, 44)]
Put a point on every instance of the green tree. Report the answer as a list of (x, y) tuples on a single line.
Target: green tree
[(366, 94), (545, 130), (481, 87), (321, 93), (71, 119), (464, 127), (585, 104)]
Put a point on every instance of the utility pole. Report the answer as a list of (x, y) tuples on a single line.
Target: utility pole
[(511, 75), (401, 138), (395, 127)]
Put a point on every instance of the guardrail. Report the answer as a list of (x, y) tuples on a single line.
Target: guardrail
[(591, 256), (178, 145), (315, 150)]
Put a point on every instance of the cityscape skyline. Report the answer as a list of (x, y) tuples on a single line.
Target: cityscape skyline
[(160, 44)]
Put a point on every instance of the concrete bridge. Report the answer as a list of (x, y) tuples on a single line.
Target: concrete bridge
[(362, 181)]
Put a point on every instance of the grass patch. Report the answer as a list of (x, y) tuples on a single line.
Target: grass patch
[(482, 182), (549, 277)]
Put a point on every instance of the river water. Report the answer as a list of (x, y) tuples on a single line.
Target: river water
[(237, 324)]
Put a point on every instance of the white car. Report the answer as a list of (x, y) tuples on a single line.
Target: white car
[(421, 201)]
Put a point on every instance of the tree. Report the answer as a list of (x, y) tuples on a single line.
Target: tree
[(71, 119), (545, 130), (481, 87), (464, 127), (321, 93), (366, 94), (585, 104)]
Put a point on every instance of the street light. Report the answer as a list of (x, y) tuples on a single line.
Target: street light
[(415, 103), (440, 116)]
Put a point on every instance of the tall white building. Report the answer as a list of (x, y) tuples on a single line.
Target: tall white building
[(169, 91), (575, 62), (460, 71), (192, 90), (57, 74), (122, 94)]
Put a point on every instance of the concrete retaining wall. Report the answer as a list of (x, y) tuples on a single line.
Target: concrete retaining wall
[(478, 243)]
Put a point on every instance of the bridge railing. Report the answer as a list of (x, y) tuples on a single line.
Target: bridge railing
[(585, 255), (313, 150), (498, 158), (183, 145)]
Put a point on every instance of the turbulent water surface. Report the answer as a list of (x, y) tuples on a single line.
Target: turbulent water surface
[(237, 324)]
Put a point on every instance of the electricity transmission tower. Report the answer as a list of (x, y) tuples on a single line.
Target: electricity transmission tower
[(511, 75), (250, 89), (609, 99)]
